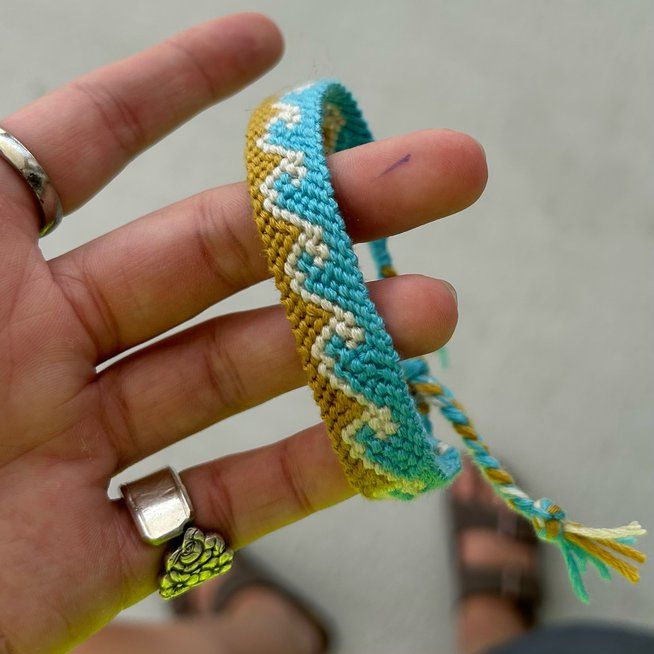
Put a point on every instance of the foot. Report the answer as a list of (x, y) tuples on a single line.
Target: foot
[(497, 562), (297, 629)]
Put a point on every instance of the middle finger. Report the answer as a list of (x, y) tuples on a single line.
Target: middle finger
[(204, 374), (160, 270)]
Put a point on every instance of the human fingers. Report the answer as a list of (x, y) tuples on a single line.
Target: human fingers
[(156, 272)]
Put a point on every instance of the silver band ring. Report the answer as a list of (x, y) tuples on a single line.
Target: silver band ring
[(12, 150), (162, 511)]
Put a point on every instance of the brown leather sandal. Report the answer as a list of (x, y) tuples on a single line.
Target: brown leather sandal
[(247, 572), (521, 586)]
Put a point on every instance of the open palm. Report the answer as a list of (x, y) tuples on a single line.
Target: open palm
[(70, 557)]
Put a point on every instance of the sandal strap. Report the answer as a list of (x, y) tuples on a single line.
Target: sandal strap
[(475, 515)]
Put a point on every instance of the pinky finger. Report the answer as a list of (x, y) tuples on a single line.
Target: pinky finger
[(244, 497)]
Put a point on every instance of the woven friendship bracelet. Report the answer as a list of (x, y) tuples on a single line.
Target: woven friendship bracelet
[(375, 407), (349, 358)]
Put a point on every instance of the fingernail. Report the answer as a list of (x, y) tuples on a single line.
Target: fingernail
[(482, 148), (452, 290)]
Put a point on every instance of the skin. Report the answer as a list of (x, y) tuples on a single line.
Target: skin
[(71, 558)]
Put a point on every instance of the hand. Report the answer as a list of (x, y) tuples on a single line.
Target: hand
[(70, 557)]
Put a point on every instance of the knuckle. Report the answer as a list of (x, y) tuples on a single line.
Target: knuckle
[(223, 374), (115, 113), (89, 304), (116, 421), (220, 504), (219, 244), (196, 65), (293, 480)]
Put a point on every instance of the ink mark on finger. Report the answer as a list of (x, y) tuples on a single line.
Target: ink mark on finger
[(405, 159)]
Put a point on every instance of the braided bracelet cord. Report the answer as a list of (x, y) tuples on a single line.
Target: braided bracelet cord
[(375, 407)]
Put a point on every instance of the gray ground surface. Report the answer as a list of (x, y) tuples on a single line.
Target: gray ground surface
[(553, 265)]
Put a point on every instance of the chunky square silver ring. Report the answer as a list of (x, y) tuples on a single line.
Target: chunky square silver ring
[(159, 504), (162, 511)]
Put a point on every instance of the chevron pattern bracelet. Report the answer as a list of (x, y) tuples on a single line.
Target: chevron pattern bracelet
[(375, 407)]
